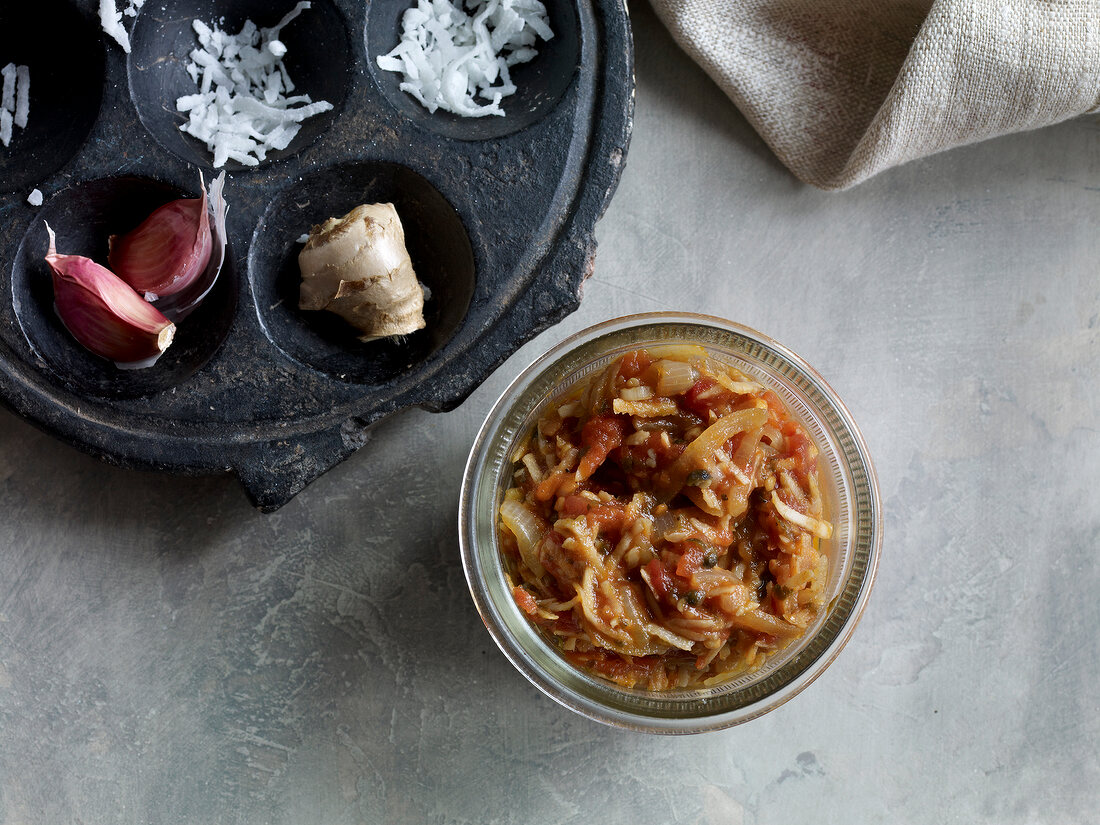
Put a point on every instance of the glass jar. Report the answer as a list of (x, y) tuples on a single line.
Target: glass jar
[(848, 484)]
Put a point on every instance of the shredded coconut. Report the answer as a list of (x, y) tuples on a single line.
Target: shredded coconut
[(448, 56), (110, 18), (22, 95), (15, 98), (241, 110), (7, 101)]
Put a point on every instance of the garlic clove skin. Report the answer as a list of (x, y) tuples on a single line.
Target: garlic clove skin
[(104, 313), (175, 255), (358, 267), (166, 251), (180, 304)]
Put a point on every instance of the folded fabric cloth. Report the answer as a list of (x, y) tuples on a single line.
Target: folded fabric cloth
[(843, 89)]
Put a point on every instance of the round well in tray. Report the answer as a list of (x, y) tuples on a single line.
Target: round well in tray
[(65, 93), (540, 84), (84, 217), (317, 59), (434, 236)]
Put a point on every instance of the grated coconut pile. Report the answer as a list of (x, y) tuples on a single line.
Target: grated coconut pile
[(241, 110), (449, 56)]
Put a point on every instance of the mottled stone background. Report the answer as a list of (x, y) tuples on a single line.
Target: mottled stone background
[(169, 655)]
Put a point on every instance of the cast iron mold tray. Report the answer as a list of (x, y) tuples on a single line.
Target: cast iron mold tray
[(499, 216)]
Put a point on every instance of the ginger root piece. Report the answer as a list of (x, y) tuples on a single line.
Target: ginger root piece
[(357, 267)]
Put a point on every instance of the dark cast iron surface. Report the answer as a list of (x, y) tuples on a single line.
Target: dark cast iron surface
[(499, 216)]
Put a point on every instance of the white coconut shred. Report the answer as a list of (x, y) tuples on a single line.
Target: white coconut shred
[(448, 55), (15, 100), (241, 110), (110, 18)]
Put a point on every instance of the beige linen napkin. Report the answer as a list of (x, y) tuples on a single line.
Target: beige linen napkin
[(842, 89)]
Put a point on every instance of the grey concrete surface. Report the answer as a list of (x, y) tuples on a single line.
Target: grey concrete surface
[(169, 655)]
